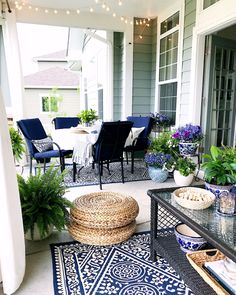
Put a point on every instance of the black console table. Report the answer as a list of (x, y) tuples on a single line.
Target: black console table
[(218, 230)]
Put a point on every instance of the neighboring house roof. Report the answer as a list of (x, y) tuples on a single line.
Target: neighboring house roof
[(54, 56), (52, 77)]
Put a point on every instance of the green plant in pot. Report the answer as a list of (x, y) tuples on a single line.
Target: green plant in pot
[(17, 143), (220, 169), (184, 171), (42, 202), (88, 116)]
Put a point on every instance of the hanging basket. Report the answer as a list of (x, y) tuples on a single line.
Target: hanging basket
[(188, 148)]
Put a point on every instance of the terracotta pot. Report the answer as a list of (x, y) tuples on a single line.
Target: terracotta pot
[(182, 180)]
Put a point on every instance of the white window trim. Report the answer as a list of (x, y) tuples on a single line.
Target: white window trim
[(178, 28), (41, 102)]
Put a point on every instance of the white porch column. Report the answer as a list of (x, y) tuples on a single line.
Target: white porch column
[(108, 86), (128, 73), (12, 246), (13, 62)]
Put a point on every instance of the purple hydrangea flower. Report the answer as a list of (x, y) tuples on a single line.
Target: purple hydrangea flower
[(161, 119), (158, 160), (188, 133)]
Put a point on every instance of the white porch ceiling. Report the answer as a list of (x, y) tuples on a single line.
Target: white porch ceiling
[(132, 8)]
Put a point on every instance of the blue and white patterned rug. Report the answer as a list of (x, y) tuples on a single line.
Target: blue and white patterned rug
[(89, 176), (123, 269)]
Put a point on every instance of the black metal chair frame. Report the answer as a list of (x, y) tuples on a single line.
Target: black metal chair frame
[(115, 147)]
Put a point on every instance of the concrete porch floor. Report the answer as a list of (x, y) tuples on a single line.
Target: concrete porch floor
[(38, 278)]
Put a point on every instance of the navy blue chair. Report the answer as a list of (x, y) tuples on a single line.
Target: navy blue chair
[(142, 141), (65, 122), (110, 145), (40, 146)]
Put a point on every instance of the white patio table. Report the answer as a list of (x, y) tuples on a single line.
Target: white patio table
[(79, 139)]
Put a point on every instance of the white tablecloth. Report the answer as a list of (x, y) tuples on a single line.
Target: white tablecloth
[(78, 139)]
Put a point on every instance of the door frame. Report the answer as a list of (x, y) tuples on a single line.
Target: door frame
[(218, 16), (212, 42)]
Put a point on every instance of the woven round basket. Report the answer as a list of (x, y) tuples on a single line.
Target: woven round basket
[(194, 198), (101, 237), (104, 210)]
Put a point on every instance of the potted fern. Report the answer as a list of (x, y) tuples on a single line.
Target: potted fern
[(42, 202), (17, 143)]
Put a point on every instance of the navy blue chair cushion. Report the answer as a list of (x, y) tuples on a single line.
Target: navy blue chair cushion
[(111, 141), (33, 129), (65, 122), (142, 141)]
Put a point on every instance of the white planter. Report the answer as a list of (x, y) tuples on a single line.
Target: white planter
[(182, 180), (36, 236)]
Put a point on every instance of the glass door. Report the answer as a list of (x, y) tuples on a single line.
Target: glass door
[(220, 112)]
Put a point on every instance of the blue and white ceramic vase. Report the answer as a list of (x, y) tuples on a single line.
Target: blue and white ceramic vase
[(188, 148), (157, 174), (217, 189)]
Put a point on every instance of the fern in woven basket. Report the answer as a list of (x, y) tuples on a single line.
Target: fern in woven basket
[(42, 201)]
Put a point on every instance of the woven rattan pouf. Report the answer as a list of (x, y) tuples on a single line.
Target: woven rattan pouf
[(103, 218)]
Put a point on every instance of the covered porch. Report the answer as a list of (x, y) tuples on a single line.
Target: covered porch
[(162, 67)]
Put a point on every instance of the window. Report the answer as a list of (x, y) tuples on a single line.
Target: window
[(168, 63), (208, 3), (170, 23), (49, 104), (168, 95), (168, 57)]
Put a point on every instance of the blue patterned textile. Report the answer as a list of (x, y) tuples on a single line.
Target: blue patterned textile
[(123, 269)]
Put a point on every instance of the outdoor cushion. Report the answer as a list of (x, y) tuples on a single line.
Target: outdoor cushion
[(134, 133), (44, 144)]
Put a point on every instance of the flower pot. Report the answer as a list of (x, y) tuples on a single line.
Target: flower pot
[(36, 234), (188, 148), (157, 174), (217, 189), (182, 180)]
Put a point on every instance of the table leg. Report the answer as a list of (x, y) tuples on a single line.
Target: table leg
[(153, 234)]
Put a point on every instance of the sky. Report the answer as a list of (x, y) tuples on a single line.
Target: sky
[(37, 40)]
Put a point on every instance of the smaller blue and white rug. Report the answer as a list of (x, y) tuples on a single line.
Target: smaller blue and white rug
[(123, 269)]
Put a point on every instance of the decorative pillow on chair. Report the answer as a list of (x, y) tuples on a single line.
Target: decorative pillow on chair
[(134, 133), (43, 145)]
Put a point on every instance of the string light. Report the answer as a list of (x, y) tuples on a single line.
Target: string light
[(143, 23), (19, 5)]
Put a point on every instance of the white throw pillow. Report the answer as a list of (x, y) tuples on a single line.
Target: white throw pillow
[(134, 133), (43, 145)]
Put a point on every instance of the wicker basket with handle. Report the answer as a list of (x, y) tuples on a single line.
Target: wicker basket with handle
[(197, 260)]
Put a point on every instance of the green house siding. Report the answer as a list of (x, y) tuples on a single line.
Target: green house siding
[(118, 74), (189, 23), (144, 68)]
